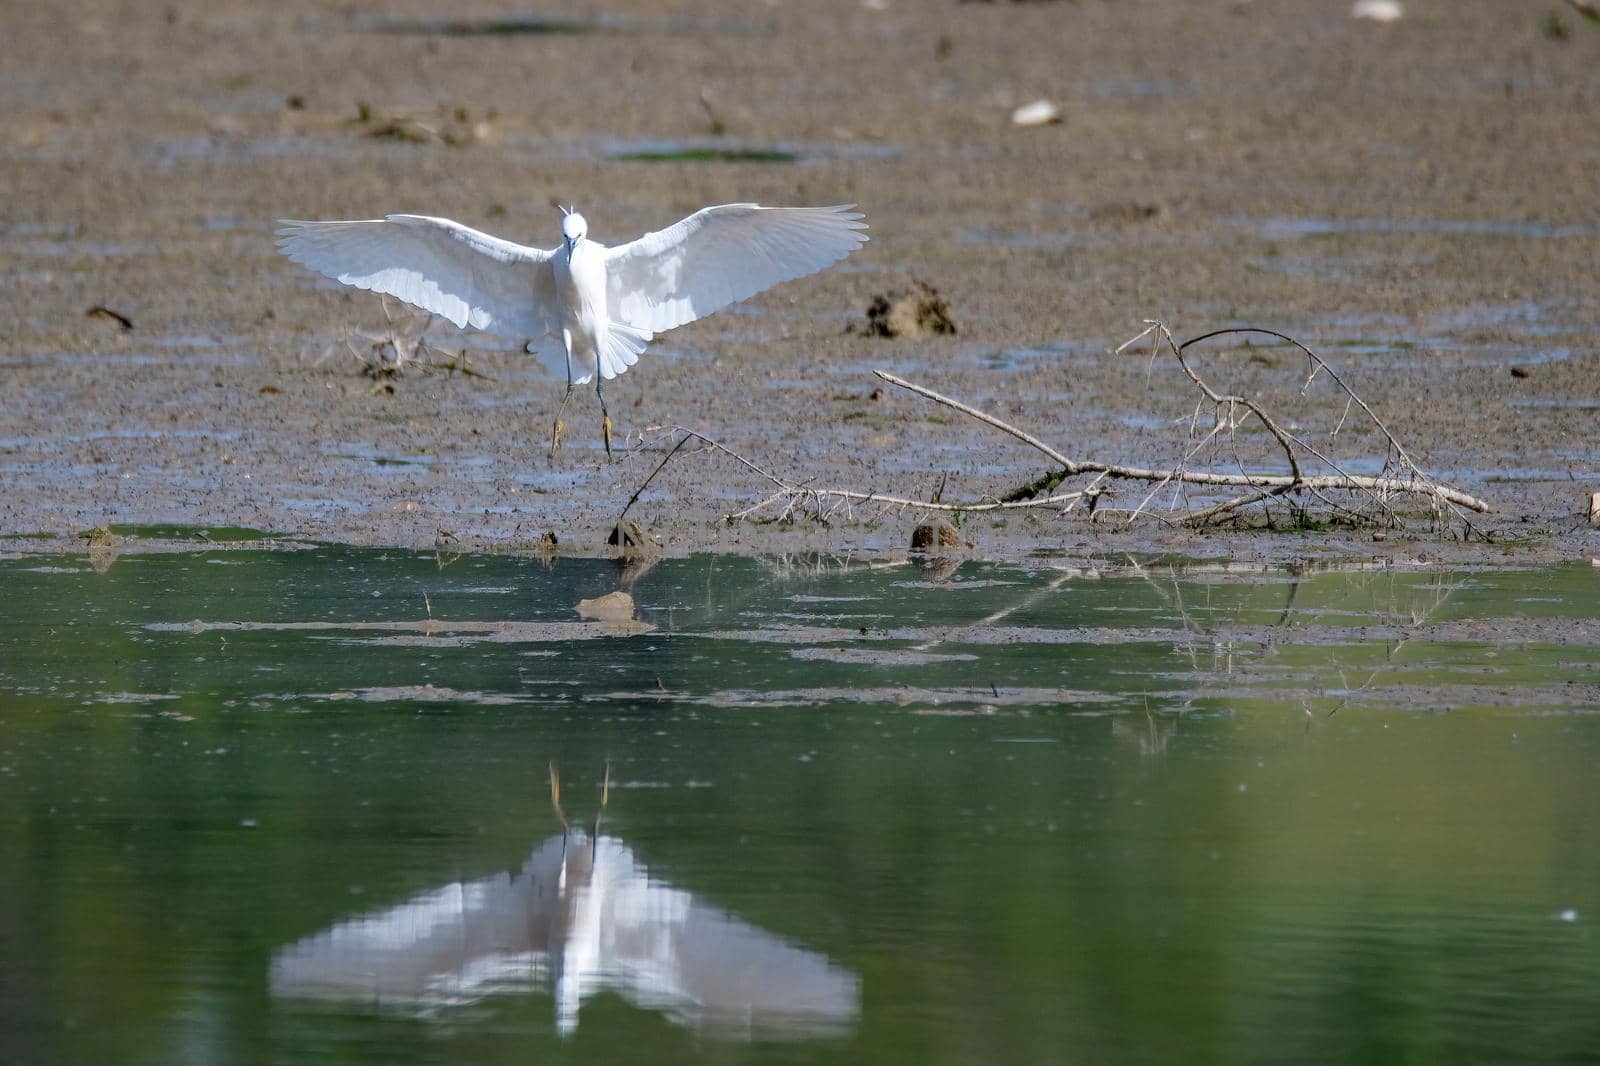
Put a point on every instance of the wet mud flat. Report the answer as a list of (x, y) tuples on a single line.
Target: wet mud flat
[(1403, 198)]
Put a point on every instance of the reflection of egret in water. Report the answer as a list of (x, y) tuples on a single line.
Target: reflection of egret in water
[(580, 917)]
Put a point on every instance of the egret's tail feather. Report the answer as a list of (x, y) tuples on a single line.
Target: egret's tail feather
[(620, 348)]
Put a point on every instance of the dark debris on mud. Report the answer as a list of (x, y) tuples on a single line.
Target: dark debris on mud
[(913, 313)]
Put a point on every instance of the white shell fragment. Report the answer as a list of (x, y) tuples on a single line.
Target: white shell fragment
[(1038, 113), (1378, 10)]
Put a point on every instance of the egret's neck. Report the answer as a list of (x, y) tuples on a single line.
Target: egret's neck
[(583, 250)]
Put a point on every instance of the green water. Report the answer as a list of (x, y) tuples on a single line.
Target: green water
[(294, 807)]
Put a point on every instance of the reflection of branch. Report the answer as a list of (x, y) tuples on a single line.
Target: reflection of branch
[(1288, 602), (1175, 601), (1351, 693), (996, 617)]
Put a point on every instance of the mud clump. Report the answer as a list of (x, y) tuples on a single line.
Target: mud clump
[(456, 127), (933, 537), (629, 536), (937, 549), (914, 313)]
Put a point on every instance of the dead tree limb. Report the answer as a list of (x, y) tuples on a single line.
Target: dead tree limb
[(1399, 476), (1005, 427), (1198, 477), (825, 502)]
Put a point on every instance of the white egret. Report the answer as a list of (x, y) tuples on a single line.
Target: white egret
[(602, 304)]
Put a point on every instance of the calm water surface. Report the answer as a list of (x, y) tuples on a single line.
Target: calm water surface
[(294, 806)]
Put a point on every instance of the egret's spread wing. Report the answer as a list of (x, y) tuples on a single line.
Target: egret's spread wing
[(455, 271), (721, 255)]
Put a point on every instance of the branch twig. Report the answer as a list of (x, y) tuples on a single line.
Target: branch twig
[(1194, 477), (1400, 474)]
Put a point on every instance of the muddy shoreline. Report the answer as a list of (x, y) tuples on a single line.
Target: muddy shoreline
[(1405, 198)]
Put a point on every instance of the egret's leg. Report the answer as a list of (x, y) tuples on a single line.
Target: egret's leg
[(560, 426), (605, 793), (555, 798), (566, 830), (605, 416)]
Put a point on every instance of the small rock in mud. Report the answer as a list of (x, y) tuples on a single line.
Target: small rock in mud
[(1038, 113), (917, 312), (1522, 372), (930, 537), (612, 607), (1594, 509), (1378, 10)]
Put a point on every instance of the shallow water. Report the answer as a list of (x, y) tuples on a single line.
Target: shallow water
[(294, 806)]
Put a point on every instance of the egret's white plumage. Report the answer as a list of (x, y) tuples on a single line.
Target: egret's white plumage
[(602, 304), (470, 278)]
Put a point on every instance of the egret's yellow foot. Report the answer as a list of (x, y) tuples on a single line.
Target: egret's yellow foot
[(605, 431), (557, 433)]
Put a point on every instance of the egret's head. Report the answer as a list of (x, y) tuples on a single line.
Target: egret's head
[(574, 228)]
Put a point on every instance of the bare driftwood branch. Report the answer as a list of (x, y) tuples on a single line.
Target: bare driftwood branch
[(1410, 479), (824, 502), (1296, 481), (1005, 427), (1400, 475)]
